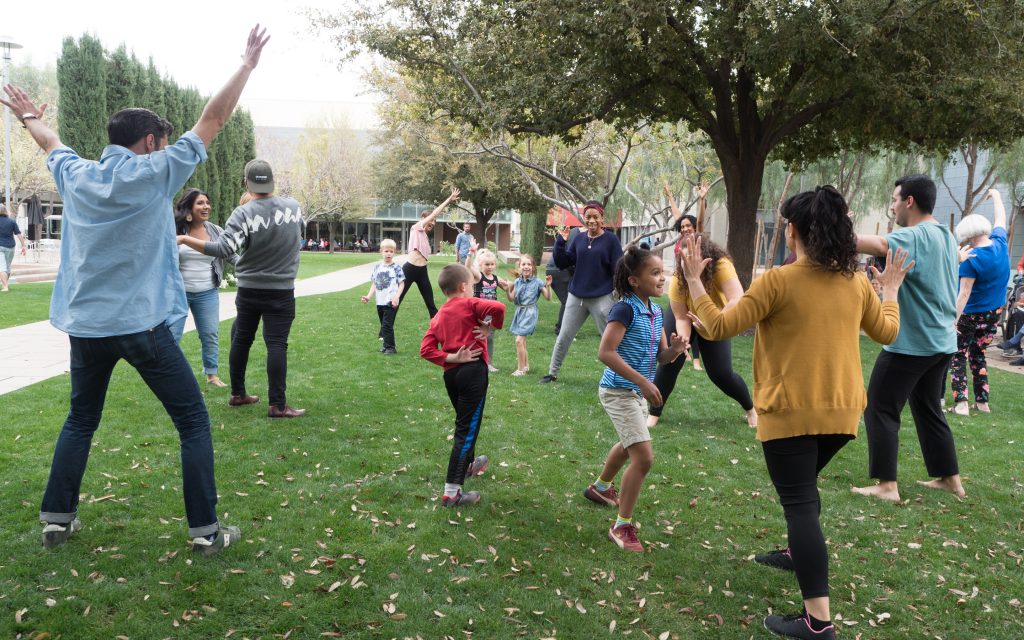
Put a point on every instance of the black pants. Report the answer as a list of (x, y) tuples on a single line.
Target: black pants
[(895, 379), (419, 277), (467, 389), (794, 465), (277, 309), (560, 279), (386, 313), (717, 360)]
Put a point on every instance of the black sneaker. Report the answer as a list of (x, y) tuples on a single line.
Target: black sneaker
[(780, 559), (1012, 352), (548, 379), (226, 536), (1019, 362), (55, 535), (798, 627), (389, 351)]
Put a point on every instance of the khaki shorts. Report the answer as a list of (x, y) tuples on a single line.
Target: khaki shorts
[(628, 412)]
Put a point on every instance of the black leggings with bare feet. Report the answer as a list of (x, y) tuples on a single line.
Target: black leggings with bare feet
[(716, 355)]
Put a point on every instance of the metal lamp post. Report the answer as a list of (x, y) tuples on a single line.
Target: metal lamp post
[(7, 44)]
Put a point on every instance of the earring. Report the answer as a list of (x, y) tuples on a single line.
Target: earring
[(188, 218)]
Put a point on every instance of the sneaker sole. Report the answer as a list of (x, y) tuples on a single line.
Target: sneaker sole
[(53, 539)]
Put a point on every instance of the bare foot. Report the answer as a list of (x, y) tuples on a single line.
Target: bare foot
[(752, 418), (652, 421), (696, 366), (878, 491), (949, 483)]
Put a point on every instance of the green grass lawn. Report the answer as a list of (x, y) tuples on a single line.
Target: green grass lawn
[(30, 302), (344, 535), (25, 303)]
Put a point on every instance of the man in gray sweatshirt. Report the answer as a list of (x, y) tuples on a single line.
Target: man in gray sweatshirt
[(266, 233)]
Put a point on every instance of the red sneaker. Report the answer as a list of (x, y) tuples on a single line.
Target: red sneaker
[(625, 537), (461, 499), (607, 498), (478, 466)]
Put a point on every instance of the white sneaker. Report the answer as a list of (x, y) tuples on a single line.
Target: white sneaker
[(492, 368)]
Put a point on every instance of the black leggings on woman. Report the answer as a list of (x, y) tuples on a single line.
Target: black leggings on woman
[(419, 276), (716, 356), (794, 465)]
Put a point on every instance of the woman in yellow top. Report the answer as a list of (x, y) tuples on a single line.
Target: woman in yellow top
[(808, 384), (719, 277)]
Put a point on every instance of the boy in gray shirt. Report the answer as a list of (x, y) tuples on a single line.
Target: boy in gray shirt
[(266, 232)]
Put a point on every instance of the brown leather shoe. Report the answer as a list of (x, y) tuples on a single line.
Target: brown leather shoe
[(238, 401), (285, 412)]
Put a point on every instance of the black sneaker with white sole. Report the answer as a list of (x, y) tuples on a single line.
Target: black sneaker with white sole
[(226, 536), (798, 627), (780, 559), (548, 379), (55, 534)]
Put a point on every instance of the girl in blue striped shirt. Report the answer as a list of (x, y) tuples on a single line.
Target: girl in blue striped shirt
[(632, 346)]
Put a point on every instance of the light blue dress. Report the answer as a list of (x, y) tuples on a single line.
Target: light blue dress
[(525, 319)]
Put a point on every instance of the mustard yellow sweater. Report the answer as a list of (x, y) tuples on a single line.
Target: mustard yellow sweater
[(807, 371)]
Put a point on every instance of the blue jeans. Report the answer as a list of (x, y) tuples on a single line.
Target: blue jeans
[(205, 306), (157, 358)]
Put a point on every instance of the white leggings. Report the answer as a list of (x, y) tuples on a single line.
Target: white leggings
[(576, 312)]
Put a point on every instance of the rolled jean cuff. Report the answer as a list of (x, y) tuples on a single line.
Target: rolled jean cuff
[(210, 371), (56, 518), (197, 532)]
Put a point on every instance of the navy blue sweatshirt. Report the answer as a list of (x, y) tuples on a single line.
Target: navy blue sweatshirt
[(594, 260)]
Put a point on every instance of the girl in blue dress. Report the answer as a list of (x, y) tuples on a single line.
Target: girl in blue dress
[(524, 293)]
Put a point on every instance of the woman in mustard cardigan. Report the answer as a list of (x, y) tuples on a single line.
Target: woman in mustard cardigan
[(808, 385)]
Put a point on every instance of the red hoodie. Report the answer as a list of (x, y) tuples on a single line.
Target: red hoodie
[(453, 326)]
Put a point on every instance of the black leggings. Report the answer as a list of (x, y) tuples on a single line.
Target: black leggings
[(717, 358), (467, 389), (794, 465), (418, 276)]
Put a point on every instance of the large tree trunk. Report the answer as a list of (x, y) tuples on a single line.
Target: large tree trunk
[(330, 236), (743, 178)]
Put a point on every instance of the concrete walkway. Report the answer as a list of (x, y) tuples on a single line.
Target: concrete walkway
[(35, 352)]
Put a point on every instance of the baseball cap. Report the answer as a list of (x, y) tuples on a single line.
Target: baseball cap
[(259, 177)]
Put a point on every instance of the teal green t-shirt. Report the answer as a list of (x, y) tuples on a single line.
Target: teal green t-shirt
[(928, 296)]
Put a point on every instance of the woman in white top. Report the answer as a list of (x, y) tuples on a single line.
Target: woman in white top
[(202, 275)]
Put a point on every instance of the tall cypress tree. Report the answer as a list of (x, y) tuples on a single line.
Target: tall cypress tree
[(81, 77)]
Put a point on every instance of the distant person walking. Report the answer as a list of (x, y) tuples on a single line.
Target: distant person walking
[(127, 194), (463, 242), (266, 232), (415, 266), (8, 232)]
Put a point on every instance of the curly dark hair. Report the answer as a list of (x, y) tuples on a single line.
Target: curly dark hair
[(630, 264), (822, 219), (708, 249), (183, 209)]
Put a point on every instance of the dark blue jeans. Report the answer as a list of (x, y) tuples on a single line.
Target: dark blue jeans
[(157, 358)]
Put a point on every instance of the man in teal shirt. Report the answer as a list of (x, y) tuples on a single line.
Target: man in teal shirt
[(116, 299), (914, 366)]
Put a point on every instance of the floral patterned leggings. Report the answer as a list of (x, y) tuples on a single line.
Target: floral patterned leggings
[(975, 331)]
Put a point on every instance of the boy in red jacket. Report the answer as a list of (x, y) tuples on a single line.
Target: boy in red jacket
[(455, 342)]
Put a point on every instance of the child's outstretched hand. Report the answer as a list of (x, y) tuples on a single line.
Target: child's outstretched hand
[(464, 354), (678, 343), (651, 393), (365, 299), (547, 281)]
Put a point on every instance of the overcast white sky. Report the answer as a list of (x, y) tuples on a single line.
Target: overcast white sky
[(198, 43)]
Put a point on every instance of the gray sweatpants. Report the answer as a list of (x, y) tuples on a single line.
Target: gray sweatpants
[(576, 312)]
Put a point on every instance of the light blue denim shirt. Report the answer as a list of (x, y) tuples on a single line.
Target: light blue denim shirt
[(118, 257)]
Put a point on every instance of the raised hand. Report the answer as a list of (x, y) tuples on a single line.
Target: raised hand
[(692, 262), (455, 194), (254, 46), (547, 281), (896, 268), (19, 102), (564, 231)]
